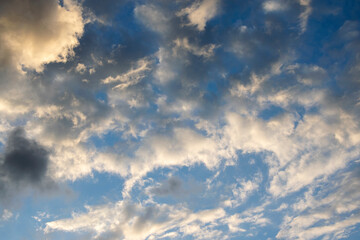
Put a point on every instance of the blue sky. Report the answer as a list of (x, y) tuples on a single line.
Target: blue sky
[(207, 119)]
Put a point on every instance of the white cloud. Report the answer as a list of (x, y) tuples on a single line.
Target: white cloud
[(184, 147), (36, 33), (132, 77), (243, 189), (250, 134), (281, 207), (206, 51), (6, 215), (80, 68), (235, 221), (329, 211), (200, 12), (165, 70), (273, 6), (136, 221), (300, 149)]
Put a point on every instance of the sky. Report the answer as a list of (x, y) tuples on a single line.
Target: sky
[(158, 119)]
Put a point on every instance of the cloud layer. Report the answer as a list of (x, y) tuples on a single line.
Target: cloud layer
[(178, 119)]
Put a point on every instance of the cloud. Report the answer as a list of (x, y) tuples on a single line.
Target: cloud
[(159, 96), (173, 185), (6, 215), (80, 68), (24, 164), (152, 17), (183, 147), (132, 77), (235, 221), (24, 159), (126, 220), (200, 12), (206, 51), (273, 6), (330, 211), (242, 190), (34, 33), (304, 16)]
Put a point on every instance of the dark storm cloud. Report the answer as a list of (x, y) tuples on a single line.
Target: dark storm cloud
[(23, 165), (24, 159)]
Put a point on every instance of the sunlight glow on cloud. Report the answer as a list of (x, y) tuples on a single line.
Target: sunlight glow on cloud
[(37, 33), (207, 119)]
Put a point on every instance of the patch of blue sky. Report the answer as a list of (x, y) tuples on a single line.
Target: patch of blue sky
[(270, 112)]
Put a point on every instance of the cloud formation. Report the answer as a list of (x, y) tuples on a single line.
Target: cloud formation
[(24, 164), (34, 33), (200, 12), (249, 108), (127, 220)]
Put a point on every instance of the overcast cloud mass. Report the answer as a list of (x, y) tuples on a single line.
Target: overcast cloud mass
[(156, 119)]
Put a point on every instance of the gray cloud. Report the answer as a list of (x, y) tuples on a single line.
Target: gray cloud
[(23, 165), (172, 186), (24, 158)]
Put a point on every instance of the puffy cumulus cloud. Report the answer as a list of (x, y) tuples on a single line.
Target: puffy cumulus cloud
[(34, 33), (200, 12), (126, 220)]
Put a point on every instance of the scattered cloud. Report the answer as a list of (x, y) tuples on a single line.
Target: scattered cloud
[(132, 77), (6, 215), (180, 119), (135, 221), (200, 12), (37, 33)]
